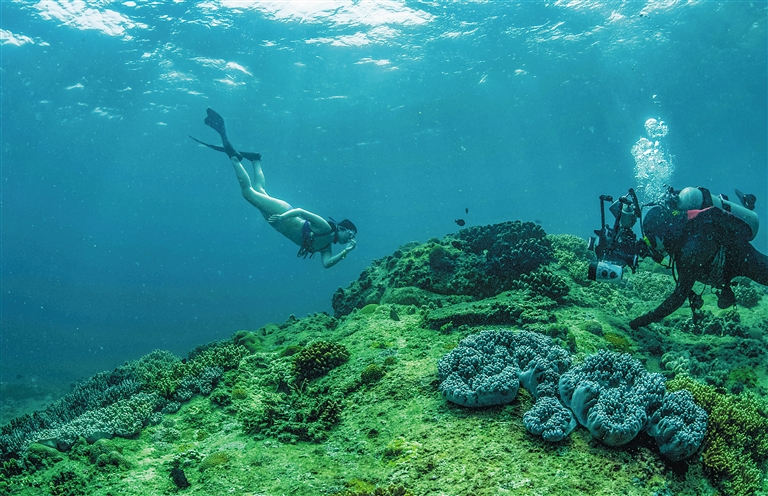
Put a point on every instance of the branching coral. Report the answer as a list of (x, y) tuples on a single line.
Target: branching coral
[(736, 441)]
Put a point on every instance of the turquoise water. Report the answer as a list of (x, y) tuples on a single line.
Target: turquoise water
[(121, 235)]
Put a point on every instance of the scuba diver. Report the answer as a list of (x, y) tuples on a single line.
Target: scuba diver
[(707, 239), (308, 230)]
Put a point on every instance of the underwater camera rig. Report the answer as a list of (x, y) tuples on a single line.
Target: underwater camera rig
[(616, 247)]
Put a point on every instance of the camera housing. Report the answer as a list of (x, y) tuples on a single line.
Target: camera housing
[(617, 246), (604, 271)]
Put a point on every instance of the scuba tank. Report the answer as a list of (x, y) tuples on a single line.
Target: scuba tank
[(700, 198)]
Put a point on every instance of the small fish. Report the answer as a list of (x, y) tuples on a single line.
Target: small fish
[(460, 222), (466, 210)]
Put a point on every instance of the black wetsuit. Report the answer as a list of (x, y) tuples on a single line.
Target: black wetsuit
[(712, 247)]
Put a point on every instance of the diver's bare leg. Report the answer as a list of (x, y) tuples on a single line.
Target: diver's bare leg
[(260, 199), (258, 181)]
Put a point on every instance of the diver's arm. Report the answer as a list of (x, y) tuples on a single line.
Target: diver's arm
[(329, 259), (672, 303)]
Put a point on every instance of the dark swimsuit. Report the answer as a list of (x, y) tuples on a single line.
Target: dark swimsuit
[(308, 239)]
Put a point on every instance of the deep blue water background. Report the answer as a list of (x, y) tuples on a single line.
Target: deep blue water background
[(120, 235)]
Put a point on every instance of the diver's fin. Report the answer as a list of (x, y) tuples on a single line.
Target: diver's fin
[(252, 156), (748, 200), (217, 148), (215, 122)]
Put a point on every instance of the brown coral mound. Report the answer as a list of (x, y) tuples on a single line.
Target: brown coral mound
[(317, 359), (479, 261)]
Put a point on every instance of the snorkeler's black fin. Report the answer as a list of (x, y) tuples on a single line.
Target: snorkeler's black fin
[(216, 122), (748, 200), (252, 156), (217, 148)]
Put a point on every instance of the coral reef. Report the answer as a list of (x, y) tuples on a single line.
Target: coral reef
[(678, 426), (549, 419), (477, 261), (512, 309), (67, 483), (124, 418), (611, 394), (544, 282), (276, 402), (248, 340), (746, 292), (121, 402), (94, 394), (572, 254), (372, 373), (198, 371), (351, 405), (481, 371)]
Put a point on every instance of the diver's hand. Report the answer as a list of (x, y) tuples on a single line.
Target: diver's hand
[(274, 218), (350, 246)]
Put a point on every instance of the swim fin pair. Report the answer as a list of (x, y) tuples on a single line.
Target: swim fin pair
[(216, 122)]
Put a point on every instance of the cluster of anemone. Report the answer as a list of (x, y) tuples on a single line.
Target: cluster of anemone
[(609, 393)]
